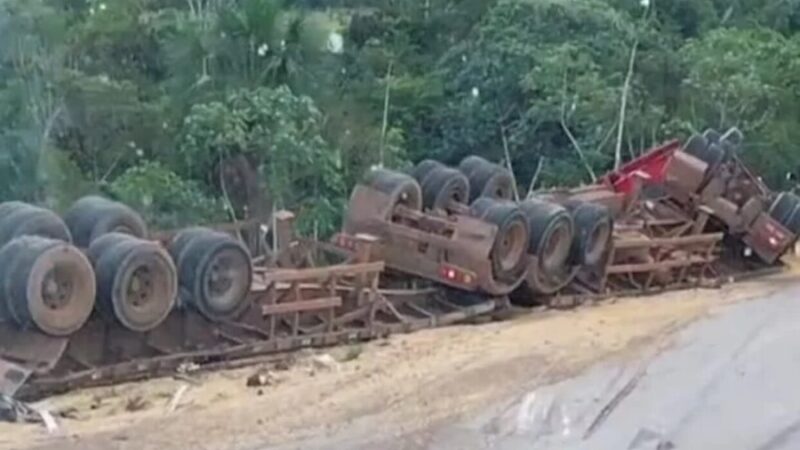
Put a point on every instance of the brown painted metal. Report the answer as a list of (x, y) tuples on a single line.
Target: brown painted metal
[(386, 271), (427, 245), (734, 197), (768, 238), (289, 308)]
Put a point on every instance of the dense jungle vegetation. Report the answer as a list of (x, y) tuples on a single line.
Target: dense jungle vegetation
[(151, 101)]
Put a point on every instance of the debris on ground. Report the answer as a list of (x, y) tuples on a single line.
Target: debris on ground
[(284, 364), (187, 367), (262, 377), (12, 377), (324, 363), (12, 410), (177, 397), (136, 403), (352, 353), (423, 376)]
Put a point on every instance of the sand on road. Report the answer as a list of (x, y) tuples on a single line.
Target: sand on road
[(398, 385)]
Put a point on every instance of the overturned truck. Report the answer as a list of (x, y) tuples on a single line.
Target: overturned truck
[(93, 297)]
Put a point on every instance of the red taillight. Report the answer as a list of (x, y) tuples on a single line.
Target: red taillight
[(456, 275)]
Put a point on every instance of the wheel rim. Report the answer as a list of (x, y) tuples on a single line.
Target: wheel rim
[(226, 281), (556, 248), (60, 290), (124, 229), (145, 289), (140, 290), (57, 287), (511, 246), (597, 242)]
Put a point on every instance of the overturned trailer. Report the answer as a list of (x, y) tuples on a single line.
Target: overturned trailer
[(95, 298), (226, 309), (629, 232)]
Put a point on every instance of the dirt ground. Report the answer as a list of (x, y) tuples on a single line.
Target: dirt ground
[(402, 384)]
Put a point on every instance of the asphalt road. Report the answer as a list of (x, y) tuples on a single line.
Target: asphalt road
[(729, 382)]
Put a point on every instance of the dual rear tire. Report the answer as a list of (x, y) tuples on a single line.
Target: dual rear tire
[(137, 282), (46, 284), (442, 187), (92, 216), (487, 179), (215, 272)]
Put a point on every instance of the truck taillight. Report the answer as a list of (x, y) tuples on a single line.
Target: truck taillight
[(776, 237), (455, 275)]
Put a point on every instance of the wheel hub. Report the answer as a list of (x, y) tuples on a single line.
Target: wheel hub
[(220, 277), (140, 289), (56, 289)]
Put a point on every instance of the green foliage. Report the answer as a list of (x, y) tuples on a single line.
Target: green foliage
[(517, 76), (60, 180), (748, 78), (107, 123), (164, 199), (282, 133), (147, 97)]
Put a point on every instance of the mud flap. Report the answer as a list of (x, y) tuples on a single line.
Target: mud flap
[(26, 352), (12, 377)]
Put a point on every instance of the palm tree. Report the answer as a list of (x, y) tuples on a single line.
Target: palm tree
[(244, 43)]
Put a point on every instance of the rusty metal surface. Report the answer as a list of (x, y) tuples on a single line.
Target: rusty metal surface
[(685, 174), (426, 245), (768, 238), (394, 269), (132, 369), (290, 309)]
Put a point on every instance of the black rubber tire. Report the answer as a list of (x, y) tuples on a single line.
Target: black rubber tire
[(99, 246), (402, 189), (593, 232), (509, 252), (93, 216), (734, 138), (713, 155), (120, 219), (8, 253), (551, 234), (783, 207), (444, 186), (712, 136), (176, 249), (491, 181), (423, 168), (708, 149), (198, 269), (471, 163), (696, 146), (183, 238), (486, 179), (793, 223), (10, 207), (726, 146), (32, 220), (137, 282), (37, 266), (80, 216)]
